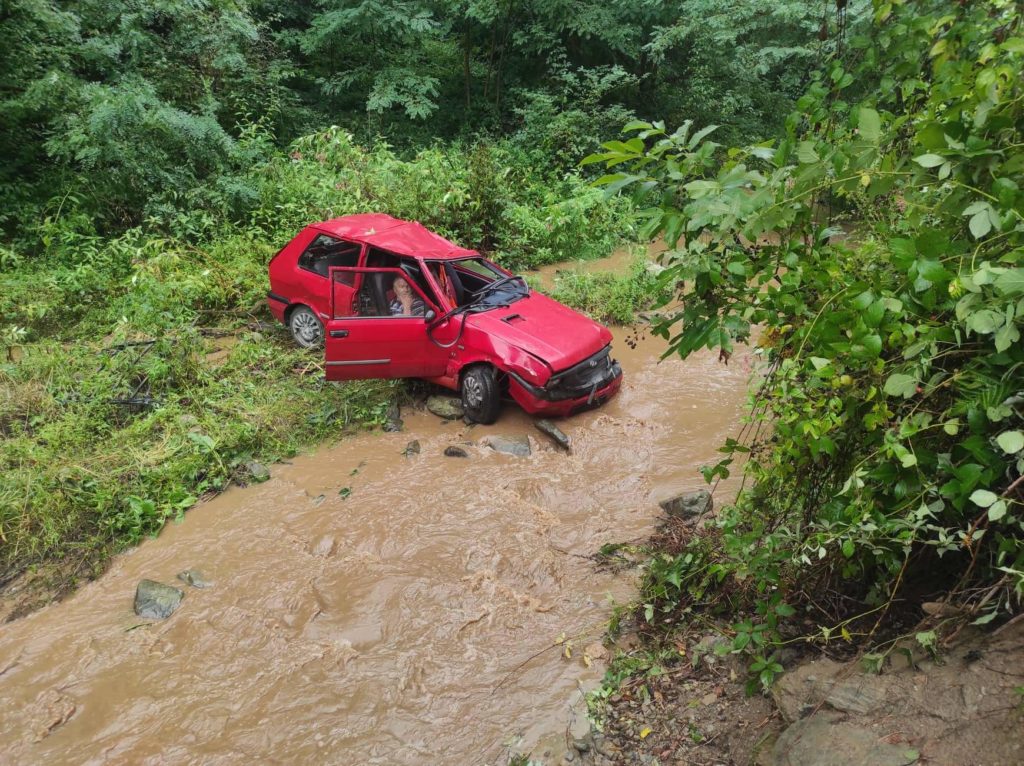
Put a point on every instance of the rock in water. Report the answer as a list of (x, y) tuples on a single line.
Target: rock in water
[(455, 452), (510, 445), (257, 471), (447, 407), (393, 419), (156, 600), (555, 433), (323, 547), (194, 578), (688, 504), (412, 448)]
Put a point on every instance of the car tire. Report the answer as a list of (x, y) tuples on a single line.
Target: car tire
[(306, 327), (481, 399)]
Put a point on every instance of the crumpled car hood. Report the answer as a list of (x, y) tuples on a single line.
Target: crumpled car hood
[(546, 329)]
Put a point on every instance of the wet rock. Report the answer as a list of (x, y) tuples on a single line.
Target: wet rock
[(323, 547), (510, 445), (156, 600), (688, 505), (393, 419), (827, 740), (412, 448), (447, 407), (194, 578), (455, 452), (583, 744), (257, 471), (939, 609), (555, 433)]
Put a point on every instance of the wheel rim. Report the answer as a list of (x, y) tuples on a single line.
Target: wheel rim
[(473, 391), (305, 328)]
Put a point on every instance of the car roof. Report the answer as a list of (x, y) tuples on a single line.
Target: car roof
[(394, 235)]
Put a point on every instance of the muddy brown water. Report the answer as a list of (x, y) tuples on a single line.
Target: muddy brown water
[(407, 619)]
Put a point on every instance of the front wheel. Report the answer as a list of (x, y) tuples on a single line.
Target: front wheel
[(481, 400), (306, 327)]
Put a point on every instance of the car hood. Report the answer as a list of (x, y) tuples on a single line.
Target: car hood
[(546, 329)]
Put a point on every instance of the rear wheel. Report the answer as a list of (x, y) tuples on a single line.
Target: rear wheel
[(481, 399), (306, 327)]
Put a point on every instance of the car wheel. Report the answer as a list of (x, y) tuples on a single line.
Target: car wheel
[(306, 327), (481, 400)]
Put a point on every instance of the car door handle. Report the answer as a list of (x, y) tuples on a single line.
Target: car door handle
[(339, 333)]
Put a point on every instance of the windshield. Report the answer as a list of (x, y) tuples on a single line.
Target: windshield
[(478, 283)]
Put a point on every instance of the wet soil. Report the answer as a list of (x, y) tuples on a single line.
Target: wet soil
[(372, 607)]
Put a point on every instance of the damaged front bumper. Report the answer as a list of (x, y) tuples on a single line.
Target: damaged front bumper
[(587, 384)]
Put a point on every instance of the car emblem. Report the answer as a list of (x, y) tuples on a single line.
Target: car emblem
[(593, 363)]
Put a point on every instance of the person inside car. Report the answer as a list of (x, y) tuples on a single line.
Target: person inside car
[(406, 302)]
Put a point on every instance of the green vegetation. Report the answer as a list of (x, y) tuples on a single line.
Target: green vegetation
[(609, 296), (132, 113), (885, 453)]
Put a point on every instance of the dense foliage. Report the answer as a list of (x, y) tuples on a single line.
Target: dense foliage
[(876, 249), (131, 112)]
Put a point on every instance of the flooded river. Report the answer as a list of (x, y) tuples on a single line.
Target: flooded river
[(368, 607)]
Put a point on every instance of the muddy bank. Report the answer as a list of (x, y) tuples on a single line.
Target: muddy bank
[(370, 606)]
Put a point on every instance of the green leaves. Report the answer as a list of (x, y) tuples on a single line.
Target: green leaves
[(929, 160), (983, 218), (900, 384), (869, 124), (806, 153), (1011, 442), (1011, 282)]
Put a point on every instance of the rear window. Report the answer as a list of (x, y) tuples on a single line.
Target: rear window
[(326, 251)]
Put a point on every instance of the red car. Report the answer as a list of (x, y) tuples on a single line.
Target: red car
[(396, 300)]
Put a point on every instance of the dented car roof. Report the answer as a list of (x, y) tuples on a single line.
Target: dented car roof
[(394, 235)]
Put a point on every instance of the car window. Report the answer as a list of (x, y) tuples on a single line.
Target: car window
[(380, 295), (382, 259), (325, 252)]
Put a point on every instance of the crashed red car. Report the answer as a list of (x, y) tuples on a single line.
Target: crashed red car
[(389, 299)]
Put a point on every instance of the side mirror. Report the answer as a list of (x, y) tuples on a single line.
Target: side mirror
[(429, 316)]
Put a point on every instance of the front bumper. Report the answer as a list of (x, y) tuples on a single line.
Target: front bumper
[(583, 386)]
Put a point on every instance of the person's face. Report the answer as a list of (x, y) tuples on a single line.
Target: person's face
[(402, 289)]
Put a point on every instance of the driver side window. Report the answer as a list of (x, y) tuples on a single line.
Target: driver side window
[(389, 293)]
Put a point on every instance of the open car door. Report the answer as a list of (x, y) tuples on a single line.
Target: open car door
[(365, 339)]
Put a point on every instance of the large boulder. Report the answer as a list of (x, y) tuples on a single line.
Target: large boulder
[(156, 600), (447, 407), (555, 433), (829, 740), (688, 505), (510, 445)]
